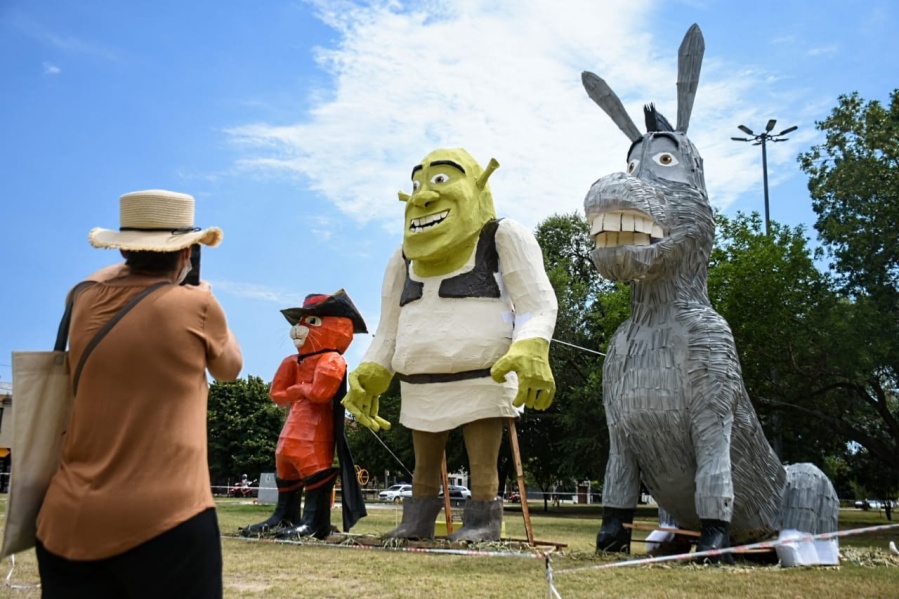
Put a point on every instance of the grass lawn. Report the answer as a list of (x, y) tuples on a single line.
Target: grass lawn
[(268, 569)]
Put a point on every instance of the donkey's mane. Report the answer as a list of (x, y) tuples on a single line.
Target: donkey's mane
[(655, 121)]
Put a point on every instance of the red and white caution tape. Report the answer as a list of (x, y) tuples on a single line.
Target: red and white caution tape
[(739, 549), (9, 583)]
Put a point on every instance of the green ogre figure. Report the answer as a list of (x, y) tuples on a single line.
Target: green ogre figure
[(467, 313)]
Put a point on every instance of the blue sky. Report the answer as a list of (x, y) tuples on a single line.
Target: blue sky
[(294, 124)]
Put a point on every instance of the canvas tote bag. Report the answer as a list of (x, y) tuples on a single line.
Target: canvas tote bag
[(43, 395)]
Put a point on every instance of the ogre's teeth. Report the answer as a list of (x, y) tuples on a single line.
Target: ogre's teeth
[(427, 221)]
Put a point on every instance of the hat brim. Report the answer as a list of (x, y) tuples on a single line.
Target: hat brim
[(153, 241), (338, 304)]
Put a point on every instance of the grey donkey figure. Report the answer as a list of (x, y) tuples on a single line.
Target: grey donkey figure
[(678, 414)]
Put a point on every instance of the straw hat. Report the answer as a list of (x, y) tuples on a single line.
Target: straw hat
[(155, 221), (336, 304)]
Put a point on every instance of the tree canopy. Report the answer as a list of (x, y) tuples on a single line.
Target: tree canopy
[(244, 424), (773, 297), (854, 184), (570, 440)]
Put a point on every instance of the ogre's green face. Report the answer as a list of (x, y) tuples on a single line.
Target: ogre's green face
[(449, 204)]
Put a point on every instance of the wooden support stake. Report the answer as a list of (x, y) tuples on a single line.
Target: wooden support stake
[(522, 488), (447, 501)]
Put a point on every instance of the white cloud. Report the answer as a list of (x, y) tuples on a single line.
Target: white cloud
[(501, 79), (256, 292), (823, 51), (51, 69), (67, 44)]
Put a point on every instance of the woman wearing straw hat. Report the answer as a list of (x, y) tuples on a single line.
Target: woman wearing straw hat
[(115, 522)]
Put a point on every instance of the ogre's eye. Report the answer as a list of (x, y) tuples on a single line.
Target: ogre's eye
[(440, 178), (665, 159), (632, 166), (312, 321), (416, 185)]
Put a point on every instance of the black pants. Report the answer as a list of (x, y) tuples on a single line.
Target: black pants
[(185, 561)]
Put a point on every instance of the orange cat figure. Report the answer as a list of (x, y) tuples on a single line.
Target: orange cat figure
[(311, 384)]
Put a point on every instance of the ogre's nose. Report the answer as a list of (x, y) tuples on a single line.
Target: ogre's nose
[(423, 198)]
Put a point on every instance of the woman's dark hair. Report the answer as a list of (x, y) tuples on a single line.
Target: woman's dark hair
[(151, 262)]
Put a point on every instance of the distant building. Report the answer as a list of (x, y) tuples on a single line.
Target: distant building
[(459, 478), (5, 434)]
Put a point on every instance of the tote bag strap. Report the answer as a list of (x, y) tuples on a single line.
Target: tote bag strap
[(108, 327), (62, 335)]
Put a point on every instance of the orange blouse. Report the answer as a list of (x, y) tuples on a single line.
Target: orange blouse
[(134, 461)]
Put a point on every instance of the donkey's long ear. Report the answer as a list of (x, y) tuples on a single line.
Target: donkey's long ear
[(689, 62), (603, 95)]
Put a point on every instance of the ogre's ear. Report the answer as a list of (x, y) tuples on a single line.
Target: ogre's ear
[(404, 197), (491, 166)]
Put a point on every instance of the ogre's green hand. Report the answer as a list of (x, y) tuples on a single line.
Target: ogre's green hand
[(367, 382), (529, 358)]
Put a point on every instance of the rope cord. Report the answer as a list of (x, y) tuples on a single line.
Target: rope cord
[(551, 592), (381, 441), (592, 351)]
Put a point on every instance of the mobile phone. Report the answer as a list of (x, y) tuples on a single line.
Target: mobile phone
[(193, 277)]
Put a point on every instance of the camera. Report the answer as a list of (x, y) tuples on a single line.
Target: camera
[(193, 277)]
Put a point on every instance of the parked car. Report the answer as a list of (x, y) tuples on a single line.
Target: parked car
[(396, 493), (457, 492)]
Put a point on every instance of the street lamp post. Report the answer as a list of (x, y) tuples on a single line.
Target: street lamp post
[(762, 139)]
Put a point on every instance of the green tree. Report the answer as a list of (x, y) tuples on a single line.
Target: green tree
[(244, 424), (775, 300), (854, 184), (809, 353), (569, 441)]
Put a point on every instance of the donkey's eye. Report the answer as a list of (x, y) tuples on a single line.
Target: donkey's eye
[(665, 159), (632, 166)]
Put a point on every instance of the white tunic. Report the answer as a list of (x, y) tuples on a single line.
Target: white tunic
[(438, 335)]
